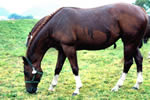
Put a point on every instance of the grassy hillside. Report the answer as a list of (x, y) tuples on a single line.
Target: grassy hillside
[(99, 70)]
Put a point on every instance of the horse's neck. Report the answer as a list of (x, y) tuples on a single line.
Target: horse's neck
[(37, 49), (35, 57), (39, 44)]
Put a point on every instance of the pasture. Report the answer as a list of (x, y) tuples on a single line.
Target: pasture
[(99, 70)]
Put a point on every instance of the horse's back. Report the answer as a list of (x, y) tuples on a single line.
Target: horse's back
[(97, 27)]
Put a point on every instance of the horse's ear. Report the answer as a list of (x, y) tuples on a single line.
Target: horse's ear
[(24, 60)]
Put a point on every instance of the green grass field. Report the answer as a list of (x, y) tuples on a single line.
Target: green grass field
[(99, 70)]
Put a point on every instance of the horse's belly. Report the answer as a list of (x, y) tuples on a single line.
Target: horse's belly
[(90, 47), (94, 41), (93, 45)]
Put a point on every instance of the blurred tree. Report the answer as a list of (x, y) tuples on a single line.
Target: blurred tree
[(16, 16), (143, 3), (28, 17)]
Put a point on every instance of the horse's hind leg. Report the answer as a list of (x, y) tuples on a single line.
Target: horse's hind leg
[(128, 61), (138, 59), (71, 54), (60, 61)]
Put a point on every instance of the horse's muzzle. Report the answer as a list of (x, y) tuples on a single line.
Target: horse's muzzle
[(31, 90)]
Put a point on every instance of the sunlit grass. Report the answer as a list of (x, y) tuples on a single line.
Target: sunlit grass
[(99, 70)]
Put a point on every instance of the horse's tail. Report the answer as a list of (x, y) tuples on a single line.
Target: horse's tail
[(146, 36)]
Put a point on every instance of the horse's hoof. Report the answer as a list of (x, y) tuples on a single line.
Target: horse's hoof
[(51, 89), (115, 89), (135, 88), (74, 94)]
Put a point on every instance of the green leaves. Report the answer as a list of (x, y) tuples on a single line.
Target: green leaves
[(143, 3)]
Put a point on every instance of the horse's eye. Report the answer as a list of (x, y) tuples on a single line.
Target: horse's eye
[(26, 73)]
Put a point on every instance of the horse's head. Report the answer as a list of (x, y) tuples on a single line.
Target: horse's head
[(32, 76)]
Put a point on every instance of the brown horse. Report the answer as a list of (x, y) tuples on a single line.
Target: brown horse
[(72, 29)]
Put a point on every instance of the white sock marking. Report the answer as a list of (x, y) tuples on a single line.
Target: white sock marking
[(54, 83), (78, 84), (139, 80), (120, 82), (148, 55)]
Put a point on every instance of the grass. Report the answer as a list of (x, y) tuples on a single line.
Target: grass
[(99, 70)]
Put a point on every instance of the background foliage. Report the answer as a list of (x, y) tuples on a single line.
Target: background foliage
[(16, 16), (144, 3)]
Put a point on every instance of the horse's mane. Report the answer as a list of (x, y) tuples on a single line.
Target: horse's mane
[(44, 22)]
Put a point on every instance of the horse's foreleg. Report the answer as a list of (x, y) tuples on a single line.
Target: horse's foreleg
[(138, 59), (127, 64), (120, 82), (60, 61), (71, 54)]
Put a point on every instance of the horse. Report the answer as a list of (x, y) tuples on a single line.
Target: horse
[(71, 29)]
